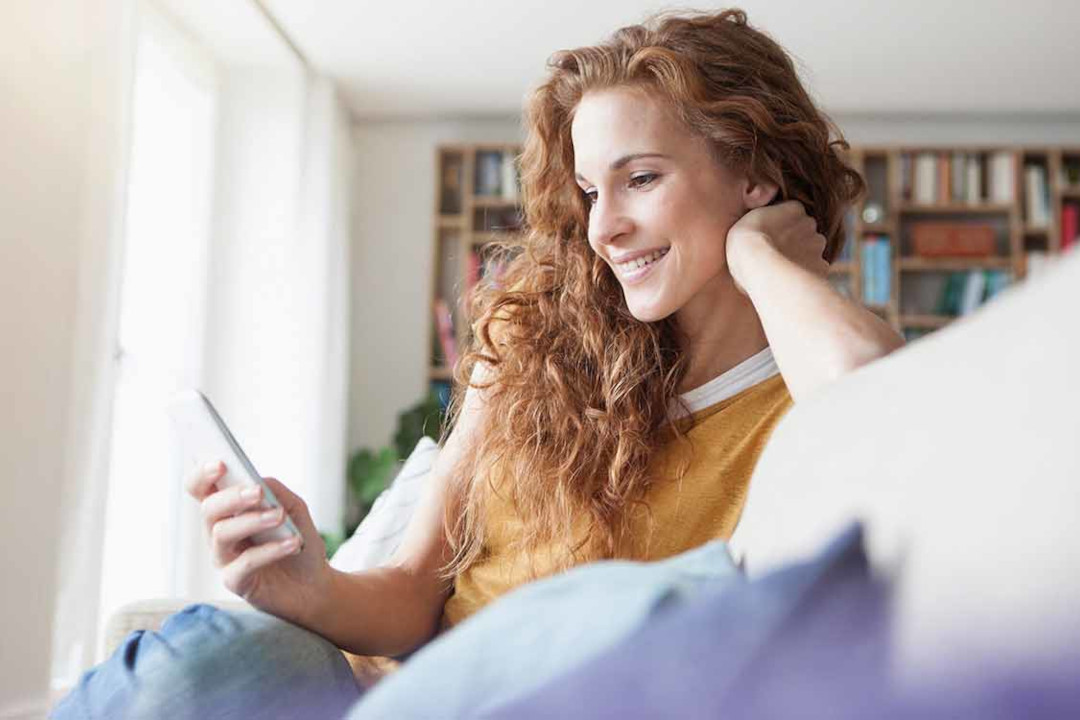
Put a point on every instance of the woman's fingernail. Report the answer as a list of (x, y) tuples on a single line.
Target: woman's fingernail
[(270, 516), (211, 468), (250, 493)]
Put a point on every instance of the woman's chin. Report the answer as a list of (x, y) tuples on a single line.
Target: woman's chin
[(647, 311)]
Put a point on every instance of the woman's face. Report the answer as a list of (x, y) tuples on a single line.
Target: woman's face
[(661, 207)]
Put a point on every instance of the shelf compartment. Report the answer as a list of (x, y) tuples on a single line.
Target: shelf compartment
[(440, 372), (919, 264), (984, 209), (925, 322), (451, 181), (880, 228)]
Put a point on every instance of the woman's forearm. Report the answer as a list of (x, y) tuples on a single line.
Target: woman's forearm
[(385, 612), (816, 334)]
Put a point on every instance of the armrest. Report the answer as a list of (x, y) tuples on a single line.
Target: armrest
[(149, 615)]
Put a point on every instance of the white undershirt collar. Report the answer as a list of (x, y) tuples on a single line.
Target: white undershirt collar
[(751, 371)]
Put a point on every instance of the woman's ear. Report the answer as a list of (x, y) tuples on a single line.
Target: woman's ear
[(759, 194)]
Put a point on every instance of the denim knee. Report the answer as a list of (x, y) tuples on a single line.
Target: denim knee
[(210, 663)]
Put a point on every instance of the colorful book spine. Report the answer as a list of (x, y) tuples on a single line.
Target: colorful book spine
[(876, 270), (958, 171), (973, 183), (444, 323), (974, 292), (1070, 225), (926, 176), (1002, 177), (884, 270), (944, 178), (869, 290), (1037, 197), (996, 282)]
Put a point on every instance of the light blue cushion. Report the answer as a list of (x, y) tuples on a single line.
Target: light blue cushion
[(540, 631)]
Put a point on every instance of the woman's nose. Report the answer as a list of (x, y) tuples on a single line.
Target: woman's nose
[(607, 222)]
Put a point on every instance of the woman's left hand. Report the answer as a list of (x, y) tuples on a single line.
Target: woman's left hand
[(785, 229)]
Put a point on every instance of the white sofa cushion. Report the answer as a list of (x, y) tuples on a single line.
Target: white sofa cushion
[(380, 533), (962, 454)]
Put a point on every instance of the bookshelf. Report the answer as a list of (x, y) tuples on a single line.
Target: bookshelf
[(904, 258), (960, 223), (477, 201)]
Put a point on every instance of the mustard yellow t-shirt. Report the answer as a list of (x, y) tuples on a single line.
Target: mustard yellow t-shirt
[(725, 441)]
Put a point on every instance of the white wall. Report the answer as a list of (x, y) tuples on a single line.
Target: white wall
[(59, 80), (395, 191), (965, 129), (394, 187)]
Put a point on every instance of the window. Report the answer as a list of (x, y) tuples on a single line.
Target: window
[(162, 299)]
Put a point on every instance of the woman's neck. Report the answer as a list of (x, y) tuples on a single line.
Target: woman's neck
[(721, 329)]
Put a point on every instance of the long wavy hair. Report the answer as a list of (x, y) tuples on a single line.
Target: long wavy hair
[(579, 393)]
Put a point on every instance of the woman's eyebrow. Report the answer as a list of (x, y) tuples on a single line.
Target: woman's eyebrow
[(621, 162)]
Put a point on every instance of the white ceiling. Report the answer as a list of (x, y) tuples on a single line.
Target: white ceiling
[(472, 58)]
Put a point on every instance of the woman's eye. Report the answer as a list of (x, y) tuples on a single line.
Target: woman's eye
[(642, 180)]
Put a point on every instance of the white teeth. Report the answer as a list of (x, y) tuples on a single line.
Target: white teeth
[(641, 261)]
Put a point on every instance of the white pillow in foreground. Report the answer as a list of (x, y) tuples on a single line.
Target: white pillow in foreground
[(961, 452), (381, 531)]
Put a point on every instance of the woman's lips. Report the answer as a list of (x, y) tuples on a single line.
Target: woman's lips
[(636, 270)]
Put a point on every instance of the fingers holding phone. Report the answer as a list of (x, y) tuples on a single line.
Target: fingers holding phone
[(272, 574)]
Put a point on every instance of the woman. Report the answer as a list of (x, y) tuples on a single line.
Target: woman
[(683, 199)]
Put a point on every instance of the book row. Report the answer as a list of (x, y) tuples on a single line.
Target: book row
[(964, 292), (945, 178), (497, 175)]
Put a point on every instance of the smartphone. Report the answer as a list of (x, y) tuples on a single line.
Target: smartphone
[(202, 437)]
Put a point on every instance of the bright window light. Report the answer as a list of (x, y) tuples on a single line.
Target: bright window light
[(167, 232)]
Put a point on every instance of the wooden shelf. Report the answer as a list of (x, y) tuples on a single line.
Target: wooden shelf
[(925, 322), (984, 209), (440, 372), (1071, 193), (487, 201), (481, 238), (1036, 230), (460, 237), (878, 227), (919, 264)]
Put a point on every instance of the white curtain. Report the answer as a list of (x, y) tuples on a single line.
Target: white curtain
[(274, 324), (277, 337)]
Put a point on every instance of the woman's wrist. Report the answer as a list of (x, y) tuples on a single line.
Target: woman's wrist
[(747, 253), (316, 609)]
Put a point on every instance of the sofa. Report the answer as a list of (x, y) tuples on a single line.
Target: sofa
[(960, 456)]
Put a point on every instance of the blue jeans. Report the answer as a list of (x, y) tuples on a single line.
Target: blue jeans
[(209, 663)]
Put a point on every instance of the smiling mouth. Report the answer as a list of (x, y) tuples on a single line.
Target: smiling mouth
[(641, 262)]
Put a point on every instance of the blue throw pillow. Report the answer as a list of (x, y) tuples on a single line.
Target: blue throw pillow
[(541, 631), (808, 640)]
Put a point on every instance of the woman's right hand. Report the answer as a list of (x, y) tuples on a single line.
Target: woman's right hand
[(278, 577)]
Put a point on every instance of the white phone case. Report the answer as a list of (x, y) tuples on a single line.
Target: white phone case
[(202, 437)]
